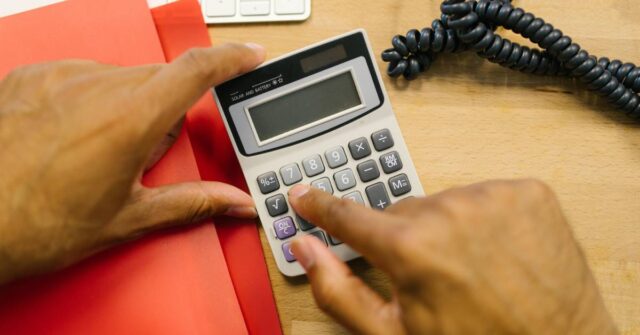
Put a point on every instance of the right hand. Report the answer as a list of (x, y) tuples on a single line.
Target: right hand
[(492, 258)]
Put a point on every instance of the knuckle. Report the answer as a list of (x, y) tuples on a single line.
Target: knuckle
[(197, 60)]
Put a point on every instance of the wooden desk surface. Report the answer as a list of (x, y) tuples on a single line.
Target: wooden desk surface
[(468, 120)]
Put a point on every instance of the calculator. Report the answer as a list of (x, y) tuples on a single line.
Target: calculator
[(318, 116)]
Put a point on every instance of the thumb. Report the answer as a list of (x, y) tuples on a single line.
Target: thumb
[(151, 209)]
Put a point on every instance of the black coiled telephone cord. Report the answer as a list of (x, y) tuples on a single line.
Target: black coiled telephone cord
[(470, 25)]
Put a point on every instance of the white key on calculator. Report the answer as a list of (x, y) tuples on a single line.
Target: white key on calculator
[(241, 11), (318, 116)]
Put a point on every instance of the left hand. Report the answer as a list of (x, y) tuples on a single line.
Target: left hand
[(76, 137)]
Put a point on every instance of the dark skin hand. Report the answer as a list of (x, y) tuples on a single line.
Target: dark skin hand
[(492, 258), (76, 137)]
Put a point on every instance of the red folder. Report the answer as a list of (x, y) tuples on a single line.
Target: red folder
[(180, 27), (187, 281)]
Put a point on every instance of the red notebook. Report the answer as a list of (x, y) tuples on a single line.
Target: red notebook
[(183, 281)]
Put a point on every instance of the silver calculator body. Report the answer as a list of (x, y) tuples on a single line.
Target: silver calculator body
[(319, 116)]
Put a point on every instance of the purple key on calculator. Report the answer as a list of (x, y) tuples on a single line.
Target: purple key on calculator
[(284, 228)]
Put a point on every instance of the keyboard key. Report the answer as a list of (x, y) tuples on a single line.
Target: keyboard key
[(276, 205), (399, 185), (335, 157), (378, 197), (217, 8), (284, 7), (382, 139), (249, 8), (344, 179), (303, 224), (319, 235), (355, 196), (368, 170), (390, 162), (359, 148), (268, 182), (286, 250), (323, 184), (313, 166), (290, 174), (284, 228), (334, 240)]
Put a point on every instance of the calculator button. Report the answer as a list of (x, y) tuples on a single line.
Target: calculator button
[(319, 235), (313, 166), (268, 182), (335, 157), (359, 148), (288, 255), (399, 185), (378, 197), (334, 240), (284, 7), (215, 8), (390, 162), (290, 174), (323, 184), (276, 205), (382, 139), (368, 170), (284, 228), (355, 196), (262, 7), (344, 179), (303, 224)]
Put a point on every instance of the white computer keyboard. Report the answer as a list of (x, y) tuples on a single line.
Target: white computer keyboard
[(214, 11), (240, 11)]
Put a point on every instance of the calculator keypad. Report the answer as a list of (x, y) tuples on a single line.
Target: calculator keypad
[(390, 162), (399, 185), (359, 148), (284, 228), (323, 184), (268, 182), (286, 250), (313, 166), (335, 157), (382, 139), (290, 174), (368, 170), (286, 224), (344, 179), (378, 197), (277, 205)]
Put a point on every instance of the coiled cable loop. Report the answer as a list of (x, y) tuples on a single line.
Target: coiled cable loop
[(471, 24)]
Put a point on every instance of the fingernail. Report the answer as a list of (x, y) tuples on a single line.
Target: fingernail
[(242, 212), (303, 253), (298, 191), (259, 49)]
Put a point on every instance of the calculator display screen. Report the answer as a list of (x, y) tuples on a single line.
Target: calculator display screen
[(305, 107)]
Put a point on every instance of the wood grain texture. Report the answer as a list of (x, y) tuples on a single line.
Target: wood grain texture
[(468, 120)]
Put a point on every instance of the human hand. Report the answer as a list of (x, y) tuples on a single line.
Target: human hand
[(76, 137), (491, 258)]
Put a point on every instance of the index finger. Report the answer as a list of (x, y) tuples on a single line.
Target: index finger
[(364, 229), (174, 87)]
